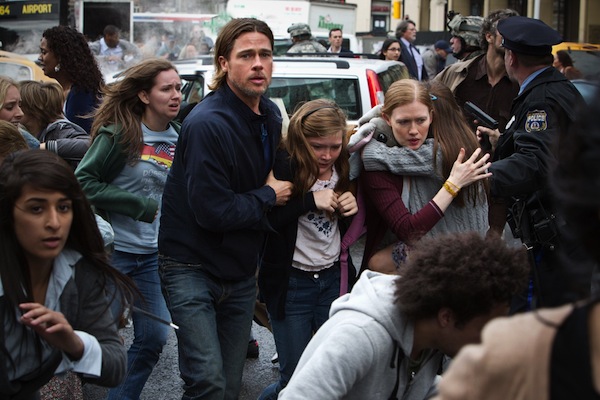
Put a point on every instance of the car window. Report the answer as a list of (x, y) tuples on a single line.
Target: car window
[(281, 46), (391, 75), (192, 89), (18, 72), (588, 62), (294, 91)]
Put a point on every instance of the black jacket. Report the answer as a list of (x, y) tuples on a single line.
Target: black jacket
[(67, 139), (215, 202), (525, 155), (84, 304)]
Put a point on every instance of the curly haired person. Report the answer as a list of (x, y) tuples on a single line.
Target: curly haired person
[(66, 56), (388, 337)]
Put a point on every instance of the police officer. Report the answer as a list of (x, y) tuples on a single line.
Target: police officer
[(465, 35), (523, 155), (303, 41)]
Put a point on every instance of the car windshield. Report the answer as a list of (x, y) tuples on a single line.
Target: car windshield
[(17, 72), (281, 46), (293, 91), (391, 75)]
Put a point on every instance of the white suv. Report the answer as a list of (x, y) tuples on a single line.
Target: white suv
[(356, 85)]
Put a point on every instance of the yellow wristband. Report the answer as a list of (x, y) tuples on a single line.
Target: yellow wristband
[(450, 190), (456, 188)]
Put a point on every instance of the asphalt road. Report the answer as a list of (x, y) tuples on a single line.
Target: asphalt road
[(165, 384)]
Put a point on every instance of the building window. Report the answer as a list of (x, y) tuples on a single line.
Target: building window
[(379, 24)]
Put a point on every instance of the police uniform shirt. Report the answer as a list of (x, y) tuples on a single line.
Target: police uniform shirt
[(544, 107)]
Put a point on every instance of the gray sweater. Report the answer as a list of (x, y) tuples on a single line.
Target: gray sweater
[(349, 356), (423, 184)]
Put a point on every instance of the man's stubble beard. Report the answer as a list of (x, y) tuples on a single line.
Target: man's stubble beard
[(249, 92)]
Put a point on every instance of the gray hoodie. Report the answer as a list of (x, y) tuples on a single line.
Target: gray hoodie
[(354, 355)]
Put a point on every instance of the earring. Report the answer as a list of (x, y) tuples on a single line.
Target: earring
[(57, 68)]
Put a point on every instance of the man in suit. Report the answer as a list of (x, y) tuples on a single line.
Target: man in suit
[(406, 32), (335, 42)]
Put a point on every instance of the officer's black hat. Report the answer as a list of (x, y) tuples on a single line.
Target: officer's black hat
[(528, 36)]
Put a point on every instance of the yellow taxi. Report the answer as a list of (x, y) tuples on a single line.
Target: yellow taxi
[(20, 68)]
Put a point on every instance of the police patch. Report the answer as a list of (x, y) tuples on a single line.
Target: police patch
[(537, 121)]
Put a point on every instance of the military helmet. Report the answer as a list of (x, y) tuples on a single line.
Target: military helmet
[(467, 28), (299, 29)]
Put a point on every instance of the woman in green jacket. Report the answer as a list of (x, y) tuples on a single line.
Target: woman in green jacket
[(123, 175)]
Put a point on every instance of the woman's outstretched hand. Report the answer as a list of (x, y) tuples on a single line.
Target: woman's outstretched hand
[(53, 327), (472, 170)]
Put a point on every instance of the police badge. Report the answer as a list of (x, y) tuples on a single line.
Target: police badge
[(536, 121)]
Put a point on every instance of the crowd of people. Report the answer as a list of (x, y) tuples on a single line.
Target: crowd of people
[(208, 217), (114, 53)]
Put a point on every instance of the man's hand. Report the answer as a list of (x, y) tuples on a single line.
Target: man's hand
[(493, 134), (283, 189), (53, 327)]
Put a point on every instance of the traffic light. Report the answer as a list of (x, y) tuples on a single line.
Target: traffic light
[(397, 9)]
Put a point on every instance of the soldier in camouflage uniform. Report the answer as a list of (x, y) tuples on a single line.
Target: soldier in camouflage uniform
[(465, 35), (303, 41)]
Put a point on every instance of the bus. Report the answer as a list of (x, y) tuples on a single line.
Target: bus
[(180, 25), (23, 22)]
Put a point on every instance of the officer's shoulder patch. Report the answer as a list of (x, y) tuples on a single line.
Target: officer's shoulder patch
[(537, 121)]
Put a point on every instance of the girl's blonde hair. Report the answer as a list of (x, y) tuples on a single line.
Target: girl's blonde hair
[(5, 84), (42, 101), (316, 118)]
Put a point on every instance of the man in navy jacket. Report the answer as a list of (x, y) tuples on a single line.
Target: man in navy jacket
[(214, 212)]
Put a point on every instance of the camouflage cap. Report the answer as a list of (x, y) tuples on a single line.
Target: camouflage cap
[(467, 28), (298, 29)]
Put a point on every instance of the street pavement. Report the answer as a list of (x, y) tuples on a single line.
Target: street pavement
[(165, 383)]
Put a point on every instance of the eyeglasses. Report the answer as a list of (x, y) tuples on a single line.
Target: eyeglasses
[(393, 49)]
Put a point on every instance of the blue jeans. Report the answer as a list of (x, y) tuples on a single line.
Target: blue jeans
[(214, 318), (149, 335), (307, 304)]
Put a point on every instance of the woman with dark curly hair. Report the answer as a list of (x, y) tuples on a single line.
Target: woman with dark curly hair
[(66, 56)]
